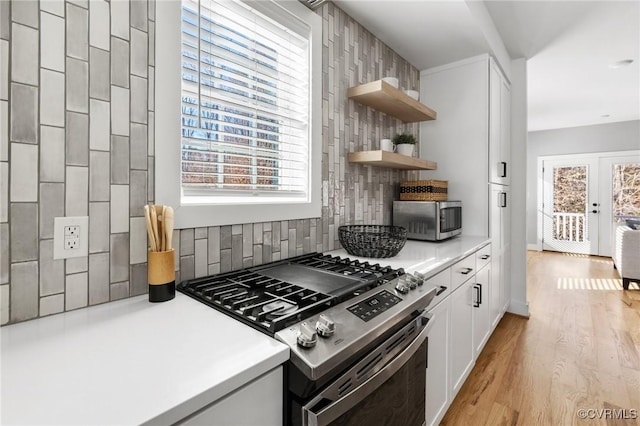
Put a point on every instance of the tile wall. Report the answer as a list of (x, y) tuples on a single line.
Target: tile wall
[(77, 138)]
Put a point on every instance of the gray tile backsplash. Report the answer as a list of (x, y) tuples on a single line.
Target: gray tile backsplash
[(80, 138), (25, 12), (52, 39), (24, 64), (77, 21), (52, 153), (51, 206), (52, 91), (51, 271), (24, 113), (99, 24), (99, 75), (77, 133), (77, 85), (99, 278)]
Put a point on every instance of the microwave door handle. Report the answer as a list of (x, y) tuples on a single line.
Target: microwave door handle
[(339, 407)]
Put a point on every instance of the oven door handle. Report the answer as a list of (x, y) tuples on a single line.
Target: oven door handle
[(335, 409)]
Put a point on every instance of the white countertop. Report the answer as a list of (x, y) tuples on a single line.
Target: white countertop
[(134, 362), (426, 257), (127, 362)]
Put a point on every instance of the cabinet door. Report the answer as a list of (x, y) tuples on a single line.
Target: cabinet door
[(505, 277), (505, 130), (496, 301), (500, 223), (495, 133), (505, 283), (499, 126), (265, 395), (461, 335), (438, 369), (497, 199), (481, 301)]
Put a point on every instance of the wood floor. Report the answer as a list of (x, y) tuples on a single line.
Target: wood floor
[(580, 349)]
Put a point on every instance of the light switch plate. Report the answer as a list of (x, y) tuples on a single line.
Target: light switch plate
[(76, 236)]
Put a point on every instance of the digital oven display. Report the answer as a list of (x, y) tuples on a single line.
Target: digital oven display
[(374, 305)]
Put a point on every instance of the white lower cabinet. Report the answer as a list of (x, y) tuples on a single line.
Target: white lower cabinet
[(461, 349), (438, 364), (466, 314), (481, 302), (505, 283), (265, 396), (496, 303)]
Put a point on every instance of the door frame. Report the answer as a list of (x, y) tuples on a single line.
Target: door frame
[(540, 182)]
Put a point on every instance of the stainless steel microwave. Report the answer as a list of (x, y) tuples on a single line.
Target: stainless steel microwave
[(428, 220)]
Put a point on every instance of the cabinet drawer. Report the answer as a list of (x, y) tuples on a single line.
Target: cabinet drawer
[(463, 270), (483, 257), (442, 283)]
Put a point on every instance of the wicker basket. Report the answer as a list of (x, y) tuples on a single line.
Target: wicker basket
[(423, 190), (372, 240)]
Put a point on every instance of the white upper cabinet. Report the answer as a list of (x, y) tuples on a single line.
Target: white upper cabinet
[(458, 139), (499, 126), (470, 140)]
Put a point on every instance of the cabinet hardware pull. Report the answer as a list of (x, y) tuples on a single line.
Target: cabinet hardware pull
[(466, 271), (480, 294), (504, 169), (503, 202), (485, 257), (441, 290), (476, 304)]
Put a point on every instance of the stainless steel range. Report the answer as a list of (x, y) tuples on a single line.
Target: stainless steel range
[(356, 331)]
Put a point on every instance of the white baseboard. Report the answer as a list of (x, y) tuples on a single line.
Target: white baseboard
[(519, 308), (534, 247)]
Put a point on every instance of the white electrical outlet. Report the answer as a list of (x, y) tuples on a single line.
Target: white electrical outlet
[(70, 237)]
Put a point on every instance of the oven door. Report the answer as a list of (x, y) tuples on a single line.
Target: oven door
[(386, 387)]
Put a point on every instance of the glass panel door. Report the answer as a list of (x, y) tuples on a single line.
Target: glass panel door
[(570, 206), (620, 195), (626, 191)]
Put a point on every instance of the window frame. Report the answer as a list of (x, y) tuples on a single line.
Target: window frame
[(167, 125)]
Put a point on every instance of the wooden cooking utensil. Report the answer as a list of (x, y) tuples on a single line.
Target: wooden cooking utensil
[(168, 226), (154, 225), (152, 240), (160, 223), (163, 235)]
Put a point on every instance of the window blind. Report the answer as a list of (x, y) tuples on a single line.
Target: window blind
[(245, 102)]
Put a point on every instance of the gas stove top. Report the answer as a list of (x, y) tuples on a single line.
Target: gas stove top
[(273, 296)]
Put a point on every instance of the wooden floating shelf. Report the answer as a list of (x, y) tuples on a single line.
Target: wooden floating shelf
[(384, 97), (391, 160)]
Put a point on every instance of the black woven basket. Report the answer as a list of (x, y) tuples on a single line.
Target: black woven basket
[(372, 240)]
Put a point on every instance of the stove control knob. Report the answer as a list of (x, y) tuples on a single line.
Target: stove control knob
[(402, 286), (421, 278), (307, 337), (325, 326), (413, 282)]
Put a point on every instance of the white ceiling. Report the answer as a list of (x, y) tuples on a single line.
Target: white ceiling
[(569, 45)]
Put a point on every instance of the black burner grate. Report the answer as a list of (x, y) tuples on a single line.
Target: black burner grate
[(270, 304)]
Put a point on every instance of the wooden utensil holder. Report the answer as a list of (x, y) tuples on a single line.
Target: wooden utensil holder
[(161, 276)]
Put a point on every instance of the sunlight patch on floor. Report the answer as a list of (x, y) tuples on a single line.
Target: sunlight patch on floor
[(596, 259), (570, 283)]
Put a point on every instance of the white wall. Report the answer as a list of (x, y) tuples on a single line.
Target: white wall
[(518, 264), (620, 136)]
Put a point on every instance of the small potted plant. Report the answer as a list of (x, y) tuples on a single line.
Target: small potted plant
[(404, 143)]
